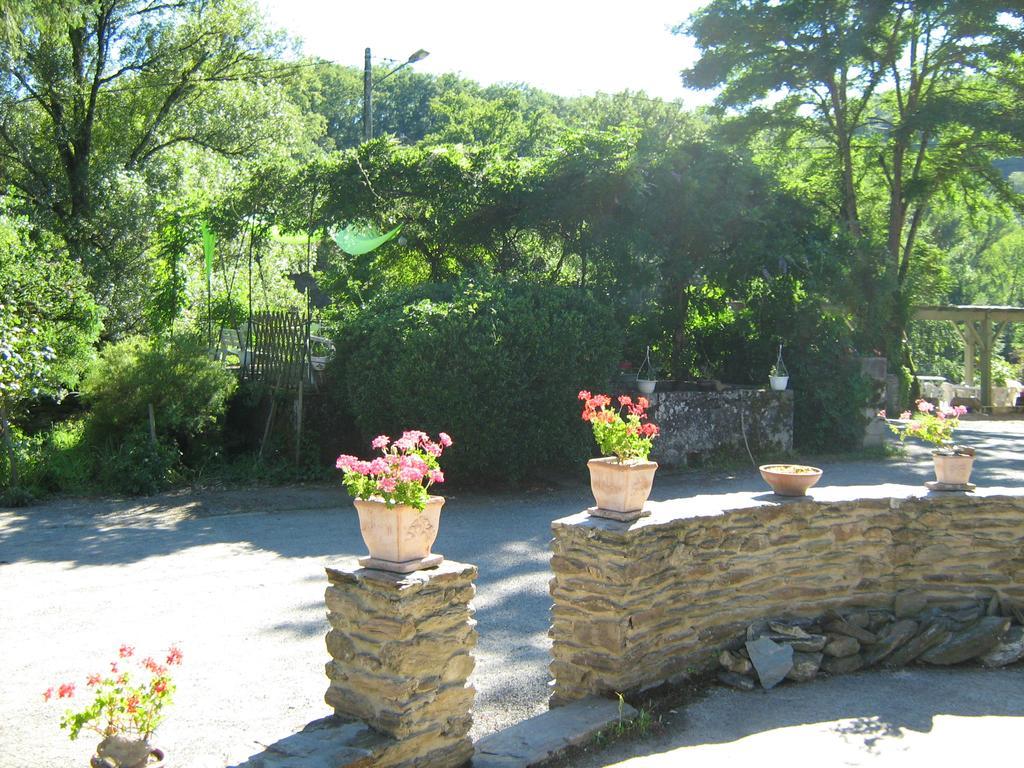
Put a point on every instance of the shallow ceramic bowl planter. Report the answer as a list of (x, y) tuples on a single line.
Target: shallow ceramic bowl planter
[(952, 471), (790, 479), (646, 386), (399, 539), (778, 383), (621, 488)]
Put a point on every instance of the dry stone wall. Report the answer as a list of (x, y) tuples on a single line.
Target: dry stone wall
[(638, 604), (401, 653), (701, 426)]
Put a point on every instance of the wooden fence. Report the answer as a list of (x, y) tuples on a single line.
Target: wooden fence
[(279, 344)]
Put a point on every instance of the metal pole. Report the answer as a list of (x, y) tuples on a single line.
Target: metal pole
[(367, 98)]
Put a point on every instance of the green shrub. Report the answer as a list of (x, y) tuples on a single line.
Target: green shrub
[(188, 392), (187, 389), (497, 366), (134, 465)]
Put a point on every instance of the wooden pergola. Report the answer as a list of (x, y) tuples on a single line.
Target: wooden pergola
[(980, 326)]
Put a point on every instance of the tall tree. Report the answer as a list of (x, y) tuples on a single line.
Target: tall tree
[(903, 93), (90, 99)]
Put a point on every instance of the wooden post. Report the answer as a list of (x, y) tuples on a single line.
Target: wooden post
[(969, 353), (986, 361)]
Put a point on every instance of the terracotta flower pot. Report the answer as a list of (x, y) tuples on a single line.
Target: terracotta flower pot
[(790, 479), (124, 752), (953, 470), (621, 487), (399, 539)]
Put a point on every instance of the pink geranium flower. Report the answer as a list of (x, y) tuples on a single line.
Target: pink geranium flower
[(402, 473)]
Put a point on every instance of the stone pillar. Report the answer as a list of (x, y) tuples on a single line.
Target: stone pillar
[(874, 369), (400, 647)]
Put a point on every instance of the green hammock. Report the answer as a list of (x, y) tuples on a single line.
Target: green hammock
[(355, 240)]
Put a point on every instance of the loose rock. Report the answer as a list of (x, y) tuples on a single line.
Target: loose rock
[(839, 646), (805, 667), (908, 604), (895, 636), (1009, 650), (735, 663), (843, 627), (842, 666), (994, 607), (786, 630), (740, 682), (858, 619), (813, 644), (771, 660), (970, 643), (879, 620), (933, 635)]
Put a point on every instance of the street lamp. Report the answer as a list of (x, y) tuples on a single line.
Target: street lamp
[(368, 87)]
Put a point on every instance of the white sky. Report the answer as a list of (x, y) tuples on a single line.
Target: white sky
[(569, 47)]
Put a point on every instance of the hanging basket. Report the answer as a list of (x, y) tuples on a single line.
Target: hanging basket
[(778, 376)]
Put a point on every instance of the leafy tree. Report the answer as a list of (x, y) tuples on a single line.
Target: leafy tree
[(48, 324), (91, 102), (902, 96)]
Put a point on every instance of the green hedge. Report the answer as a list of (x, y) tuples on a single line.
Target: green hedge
[(497, 366)]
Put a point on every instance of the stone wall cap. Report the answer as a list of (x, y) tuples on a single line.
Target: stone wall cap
[(675, 510), (350, 572)]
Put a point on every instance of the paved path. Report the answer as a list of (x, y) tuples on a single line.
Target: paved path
[(936, 718), (236, 578)]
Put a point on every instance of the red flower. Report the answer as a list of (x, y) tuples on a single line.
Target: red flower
[(584, 395), (126, 651), (47, 694), (66, 691), (587, 414), (174, 655), (159, 686), (132, 704), (94, 679), (625, 400), (643, 402)]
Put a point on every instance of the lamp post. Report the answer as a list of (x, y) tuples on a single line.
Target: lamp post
[(368, 86)]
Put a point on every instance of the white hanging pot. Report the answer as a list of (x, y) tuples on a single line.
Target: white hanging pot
[(779, 383), (646, 386)]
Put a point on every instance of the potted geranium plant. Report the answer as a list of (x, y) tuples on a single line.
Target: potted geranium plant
[(126, 709), (398, 517), (935, 425), (622, 480)]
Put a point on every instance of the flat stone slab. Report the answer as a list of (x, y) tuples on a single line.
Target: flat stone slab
[(622, 517), (330, 742), (407, 566), (935, 485), (548, 734)]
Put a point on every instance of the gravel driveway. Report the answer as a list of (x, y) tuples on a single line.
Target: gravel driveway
[(236, 579)]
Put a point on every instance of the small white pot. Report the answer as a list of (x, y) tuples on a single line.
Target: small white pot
[(646, 386), (779, 383)]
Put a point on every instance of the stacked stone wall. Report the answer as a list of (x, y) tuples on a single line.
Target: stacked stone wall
[(698, 427), (639, 604)]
